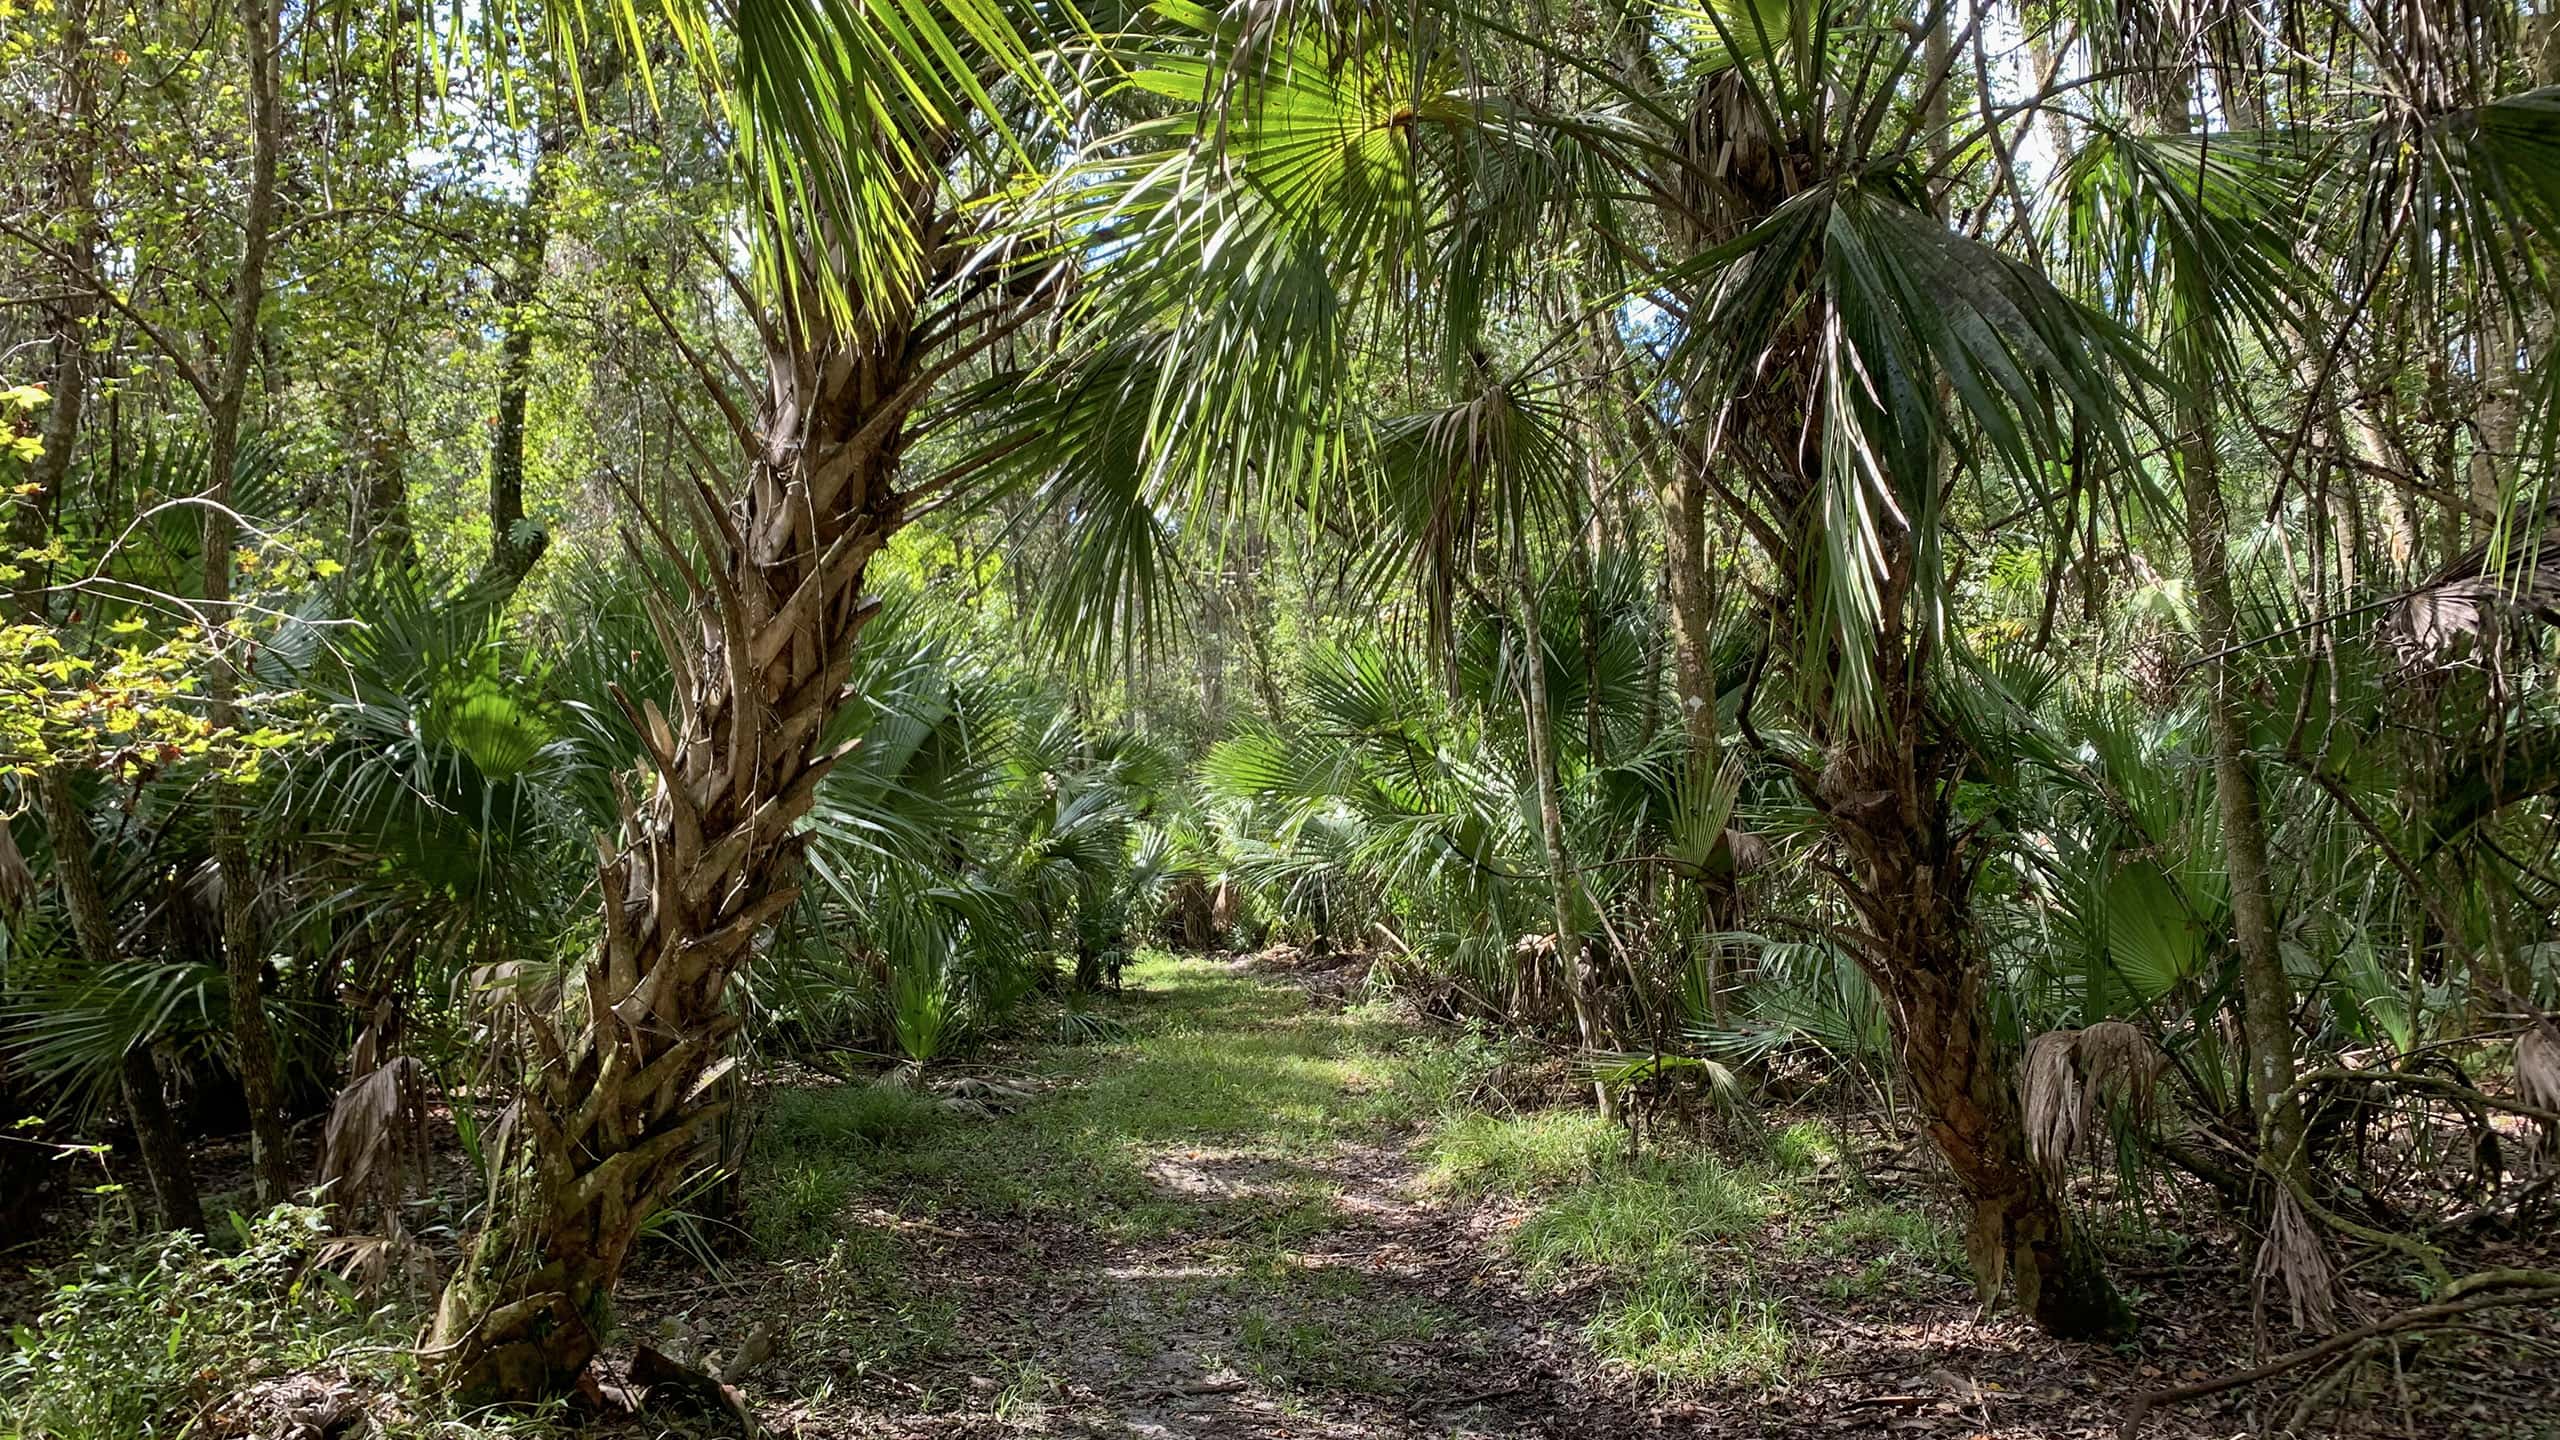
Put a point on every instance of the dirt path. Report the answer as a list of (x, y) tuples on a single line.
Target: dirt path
[(1223, 1207), (1216, 1228)]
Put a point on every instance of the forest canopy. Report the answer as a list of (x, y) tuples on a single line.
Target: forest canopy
[(721, 641)]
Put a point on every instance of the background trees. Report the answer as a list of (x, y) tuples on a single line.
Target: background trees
[(1715, 533)]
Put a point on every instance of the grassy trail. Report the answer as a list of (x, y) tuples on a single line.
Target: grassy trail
[(1209, 1224)]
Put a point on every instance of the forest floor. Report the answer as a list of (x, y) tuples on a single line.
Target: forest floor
[(1241, 1208), (1231, 1203)]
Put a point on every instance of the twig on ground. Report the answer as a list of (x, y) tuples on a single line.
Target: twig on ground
[(2518, 1287)]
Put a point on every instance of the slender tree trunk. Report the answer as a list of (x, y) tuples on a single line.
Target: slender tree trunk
[(2266, 1012), (515, 546), (161, 1146), (253, 1041), (159, 1143), (378, 526), (1571, 962), (2267, 992), (615, 1112)]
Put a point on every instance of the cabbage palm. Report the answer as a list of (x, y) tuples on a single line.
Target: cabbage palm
[(1843, 354), (872, 135)]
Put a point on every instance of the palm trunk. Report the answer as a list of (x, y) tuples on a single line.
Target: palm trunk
[(614, 1115), (1886, 794)]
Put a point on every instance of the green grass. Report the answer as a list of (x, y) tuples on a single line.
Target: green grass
[(1673, 1237), (1804, 1148), (818, 1149), (1195, 1056), (1679, 1327), (1199, 1067), (1631, 1223), (1891, 1241), (1330, 1329), (146, 1338), (1519, 1155), (845, 1117)]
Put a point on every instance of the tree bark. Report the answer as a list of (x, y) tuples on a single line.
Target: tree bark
[(514, 545), (614, 1115), (1886, 795), (158, 1142), (2266, 990), (253, 1041), (2266, 1008), (1571, 962)]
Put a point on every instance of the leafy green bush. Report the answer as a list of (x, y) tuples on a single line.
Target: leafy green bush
[(142, 1341)]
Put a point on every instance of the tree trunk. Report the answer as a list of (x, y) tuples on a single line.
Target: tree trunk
[(253, 1042), (378, 526), (158, 1142), (514, 545), (75, 198), (1571, 962), (2266, 1014), (613, 1116), (1887, 799), (2266, 990)]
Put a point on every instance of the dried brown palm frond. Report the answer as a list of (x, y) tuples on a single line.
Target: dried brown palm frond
[(2119, 1068), (2049, 1090), (2073, 1078), (2538, 1066), (2291, 1254), (373, 1144), (376, 1131), (1226, 907), (2538, 1077), (2473, 607), (1751, 854), (17, 880)]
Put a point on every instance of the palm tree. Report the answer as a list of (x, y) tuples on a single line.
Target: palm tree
[(1843, 356), (874, 135)]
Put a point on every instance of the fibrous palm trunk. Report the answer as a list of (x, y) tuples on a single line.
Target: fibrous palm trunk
[(613, 1115), (1886, 793)]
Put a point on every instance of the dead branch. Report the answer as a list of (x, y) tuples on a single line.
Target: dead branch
[(2512, 1287)]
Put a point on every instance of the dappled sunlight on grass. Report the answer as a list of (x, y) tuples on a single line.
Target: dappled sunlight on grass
[(1679, 1326), (1678, 1238), (1635, 1221), (1220, 1107), (1210, 1058), (1516, 1155)]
